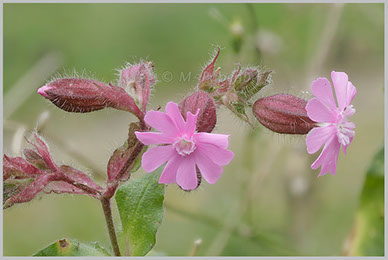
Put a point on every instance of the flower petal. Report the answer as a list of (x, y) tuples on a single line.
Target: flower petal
[(218, 155), (191, 123), (327, 160), (322, 90), (317, 137), (319, 112), (187, 175), (351, 93), (161, 122), (344, 147), (218, 140), (168, 175), (149, 138), (340, 82), (156, 156), (173, 112), (209, 170)]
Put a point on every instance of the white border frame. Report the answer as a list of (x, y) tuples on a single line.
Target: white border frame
[(212, 1)]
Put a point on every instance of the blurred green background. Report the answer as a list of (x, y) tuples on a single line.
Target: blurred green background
[(268, 201)]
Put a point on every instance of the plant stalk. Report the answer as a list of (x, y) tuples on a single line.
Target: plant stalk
[(109, 223)]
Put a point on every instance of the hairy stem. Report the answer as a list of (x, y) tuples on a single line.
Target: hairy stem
[(87, 189), (110, 191), (110, 225), (129, 163)]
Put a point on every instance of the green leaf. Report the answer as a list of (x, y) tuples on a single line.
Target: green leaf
[(140, 204), (71, 247), (239, 110), (368, 231)]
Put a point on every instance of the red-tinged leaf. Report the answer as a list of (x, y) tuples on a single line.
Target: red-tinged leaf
[(124, 158), (35, 159), (60, 187), (79, 177), (44, 152), (23, 181), (12, 187), (207, 117), (208, 72), (31, 190), (145, 93), (18, 167), (223, 87)]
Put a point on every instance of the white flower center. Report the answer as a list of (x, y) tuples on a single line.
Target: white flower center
[(344, 127), (184, 147)]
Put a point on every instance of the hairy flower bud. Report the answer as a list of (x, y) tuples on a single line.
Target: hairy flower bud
[(284, 114), (236, 91), (86, 95), (35, 159), (207, 117), (209, 77), (250, 82), (137, 80)]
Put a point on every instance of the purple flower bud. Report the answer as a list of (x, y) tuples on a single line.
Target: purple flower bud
[(284, 114), (137, 80), (85, 95), (207, 117)]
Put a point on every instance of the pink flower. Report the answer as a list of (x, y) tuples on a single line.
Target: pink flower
[(183, 149), (334, 128)]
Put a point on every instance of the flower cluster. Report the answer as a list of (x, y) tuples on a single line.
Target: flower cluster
[(236, 91), (325, 122), (183, 148), (197, 152), (334, 128), (184, 140)]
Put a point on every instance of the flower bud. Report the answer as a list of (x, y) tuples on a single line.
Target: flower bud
[(209, 77), (207, 117), (137, 80), (284, 114), (86, 95), (35, 159), (250, 82), (18, 167), (247, 77)]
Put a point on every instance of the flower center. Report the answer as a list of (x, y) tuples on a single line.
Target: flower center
[(344, 127), (184, 147)]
